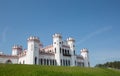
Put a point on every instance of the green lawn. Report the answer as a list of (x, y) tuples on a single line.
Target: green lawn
[(37, 70)]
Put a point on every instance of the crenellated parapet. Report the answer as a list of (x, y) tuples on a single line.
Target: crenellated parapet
[(33, 38), (71, 39), (18, 47), (84, 50), (57, 35)]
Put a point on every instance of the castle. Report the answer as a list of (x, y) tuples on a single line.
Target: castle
[(60, 53)]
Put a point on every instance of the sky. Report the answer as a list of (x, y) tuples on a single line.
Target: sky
[(94, 24)]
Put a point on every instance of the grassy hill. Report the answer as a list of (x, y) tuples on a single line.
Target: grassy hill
[(37, 70)]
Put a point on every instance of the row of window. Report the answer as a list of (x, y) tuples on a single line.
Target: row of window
[(62, 43), (22, 62), (65, 62), (47, 62), (64, 51), (59, 42), (53, 62)]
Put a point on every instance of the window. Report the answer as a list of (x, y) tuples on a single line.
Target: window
[(74, 52), (68, 51), (47, 62), (83, 65), (66, 63), (61, 61), (35, 60), (55, 50), (44, 61), (9, 61), (41, 61), (53, 62), (60, 50), (69, 62), (63, 51), (60, 42), (54, 42), (50, 62), (75, 62)]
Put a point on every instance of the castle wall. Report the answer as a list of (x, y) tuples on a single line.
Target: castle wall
[(8, 59), (60, 53), (22, 60)]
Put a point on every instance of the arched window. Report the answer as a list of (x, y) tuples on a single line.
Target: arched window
[(41, 61), (68, 52), (63, 51), (50, 62), (61, 62), (47, 62), (35, 60), (53, 62), (75, 63), (69, 62), (60, 50), (55, 50), (9, 61), (66, 62), (74, 52), (44, 61)]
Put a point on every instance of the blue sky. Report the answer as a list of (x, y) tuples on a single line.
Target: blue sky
[(95, 24)]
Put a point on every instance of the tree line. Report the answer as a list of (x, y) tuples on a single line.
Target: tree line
[(115, 64)]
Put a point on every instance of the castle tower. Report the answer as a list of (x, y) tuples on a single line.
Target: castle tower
[(84, 53), (33, 50), (71, 43), (16, 49), (57, 45)]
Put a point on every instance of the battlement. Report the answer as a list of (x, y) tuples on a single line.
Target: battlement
[(84, 50), (71, 39), (57, 35), (1, 53), (17, 47), (33, 38)]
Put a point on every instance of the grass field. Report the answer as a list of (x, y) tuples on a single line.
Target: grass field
[(37, 70)]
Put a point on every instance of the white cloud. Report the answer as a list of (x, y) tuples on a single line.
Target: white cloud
[(97, 32)]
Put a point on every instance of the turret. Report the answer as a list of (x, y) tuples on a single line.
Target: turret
[(71, 43), (33, 50), (84, 53), (57, 46), (16, 49)]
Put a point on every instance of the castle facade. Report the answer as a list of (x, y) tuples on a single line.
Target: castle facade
[(60, 53)]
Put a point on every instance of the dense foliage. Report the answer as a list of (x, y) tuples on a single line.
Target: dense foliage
[(115, 64), (37, 70)]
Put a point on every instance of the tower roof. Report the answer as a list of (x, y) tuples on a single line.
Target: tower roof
[(57, 35), (71, 39), (33, 38), (17, 47), (84, 50)]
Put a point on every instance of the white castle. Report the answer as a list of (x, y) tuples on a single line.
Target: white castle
[(60, 53)]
